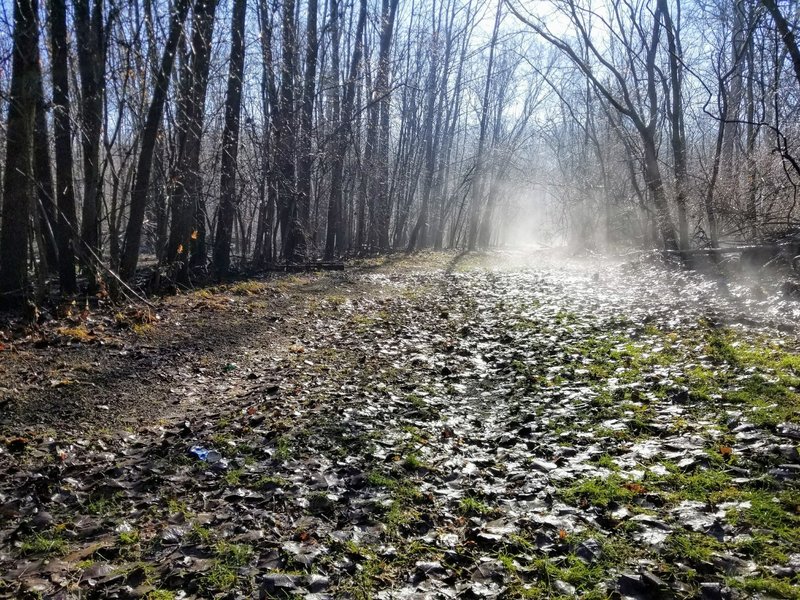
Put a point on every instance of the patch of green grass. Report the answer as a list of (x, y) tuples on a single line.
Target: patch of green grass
[(178, 507), (565, 317), (228, 557), (764, 548), (220, 577), (103, 505), (677, 485), (320, 503), (247, 288), (580, 574), (606, 462), (598, 491), (691, 547), (233, 477), (402, 510), (271, 480), (233, 555), (774, 514), (360, 585), (336, 300), (473, 506), (771, 586), (416, 401), (160, 595), (412, 462), (283, 449), (703, 382), (378, 479), (508, 562), (128, 538), (222, 440), (44, 545), (720, 346), (199, 534)]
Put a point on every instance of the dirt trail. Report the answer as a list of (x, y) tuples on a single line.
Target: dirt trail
[(477, 426)]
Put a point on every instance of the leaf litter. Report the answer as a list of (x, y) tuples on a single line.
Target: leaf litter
[(441, 426)]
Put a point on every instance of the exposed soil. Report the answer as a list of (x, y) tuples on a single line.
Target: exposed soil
[(504, 425)]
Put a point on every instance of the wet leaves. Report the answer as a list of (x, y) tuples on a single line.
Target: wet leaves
[(423, 431)]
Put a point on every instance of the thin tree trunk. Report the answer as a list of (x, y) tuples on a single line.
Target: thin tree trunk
[(382, 196), (420, 231), (285, 143), (230, 144), (141, 184), (43, 172), (269, 99), (477, 183), (787, 34), (297, 248), (91, 46), (187, 181), (62, 137), (678, 137), (334, 240), (18, 191)]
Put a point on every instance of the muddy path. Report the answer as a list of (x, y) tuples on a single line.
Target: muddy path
[(442, 426)]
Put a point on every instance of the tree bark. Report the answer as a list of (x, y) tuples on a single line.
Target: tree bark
[(18, 190), (334, 240), (678, 133), (91, 45), (297, 248), (230, 144), (62, 138), (285, 142), (187, 181), (786, 33), (383, 199), (477, 182), (43, 172), (141, 184)]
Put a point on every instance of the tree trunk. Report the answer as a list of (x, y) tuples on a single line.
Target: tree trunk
[(18, 192), (419, 233), (187, 181), (269, 101), (297, 248), (334, 241), (230, 144), (678, 137), (787, 34), (91, 46), (285, 143), (477, 183), (141, 184), (43, 172), (62, 137), (383, 206)]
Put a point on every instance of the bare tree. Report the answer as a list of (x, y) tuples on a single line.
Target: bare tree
[(141, 185), (230, 143), (91, 45), (621, 95), (334, 241), (187, 180), (297, 245), (62, 138), (18, 188)]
